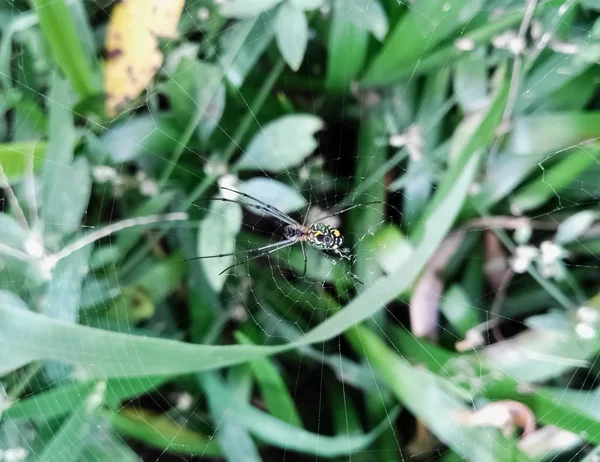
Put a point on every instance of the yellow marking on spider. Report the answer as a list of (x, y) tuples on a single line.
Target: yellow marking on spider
[(336, 233)]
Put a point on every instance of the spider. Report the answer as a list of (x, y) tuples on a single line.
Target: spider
[(318, 234)]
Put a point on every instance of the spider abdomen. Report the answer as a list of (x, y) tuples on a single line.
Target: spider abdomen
[(324, 237)]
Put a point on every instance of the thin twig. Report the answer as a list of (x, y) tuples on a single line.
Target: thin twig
[(515, 79), (110, 229)]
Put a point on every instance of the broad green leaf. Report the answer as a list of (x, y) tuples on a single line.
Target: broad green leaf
[(197, 86), (64, 290), (66, 204), (574, 226), (14, 158), (423, 26), (57, 25), (246, 9), (68, 442), (59, 152), (13, 234), (279, 195), (307, 4), (243, 44), (346, 49), (281, 144), (217, 235), (145, 134), (369, 15), (291, 33), (232, 436)]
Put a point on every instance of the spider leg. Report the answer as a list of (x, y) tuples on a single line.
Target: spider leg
[(348, 273), (305, 260), (262, 254), (265, 207), (275, 246), (280, 215), (345, 209)]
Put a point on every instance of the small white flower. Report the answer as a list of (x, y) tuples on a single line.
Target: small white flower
[(523, 257), (104, 173), (184, 402)]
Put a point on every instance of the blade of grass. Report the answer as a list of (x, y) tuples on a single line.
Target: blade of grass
[(555, 179), (419, 30), (57, 25), (159, 431), (68, 442), (439, 410), (276, 395), (231, 434), (346, 49)]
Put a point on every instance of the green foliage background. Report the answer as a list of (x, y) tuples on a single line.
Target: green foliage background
[(475, 121)]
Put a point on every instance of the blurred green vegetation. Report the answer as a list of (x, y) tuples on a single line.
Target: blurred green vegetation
[(474, 123)]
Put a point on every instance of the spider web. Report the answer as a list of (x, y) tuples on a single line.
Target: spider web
[(267, 298)]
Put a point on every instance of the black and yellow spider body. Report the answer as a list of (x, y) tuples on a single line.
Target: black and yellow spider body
[(319, 235)]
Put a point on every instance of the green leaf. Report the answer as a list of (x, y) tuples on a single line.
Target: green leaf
[(197, 86), (307, 4), (14, 158), (549, 353), (57, 25), (160, 431), (291, 34), (346, 50), (422, 27), (457, 308), (243, 44), (232, 436), (217, 235), (442, 406), (548, 133), (246, 9), (281, 144), (470, 82), (13, 234), (66, 204), (276, 395), (64, 290), (369, 15), (127, 238), (281, 434), (574, 226), (68, 442), (554, 179), (125, 141), (275, 193)]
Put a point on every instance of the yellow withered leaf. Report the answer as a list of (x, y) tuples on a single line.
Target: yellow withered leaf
[(132, 46)]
